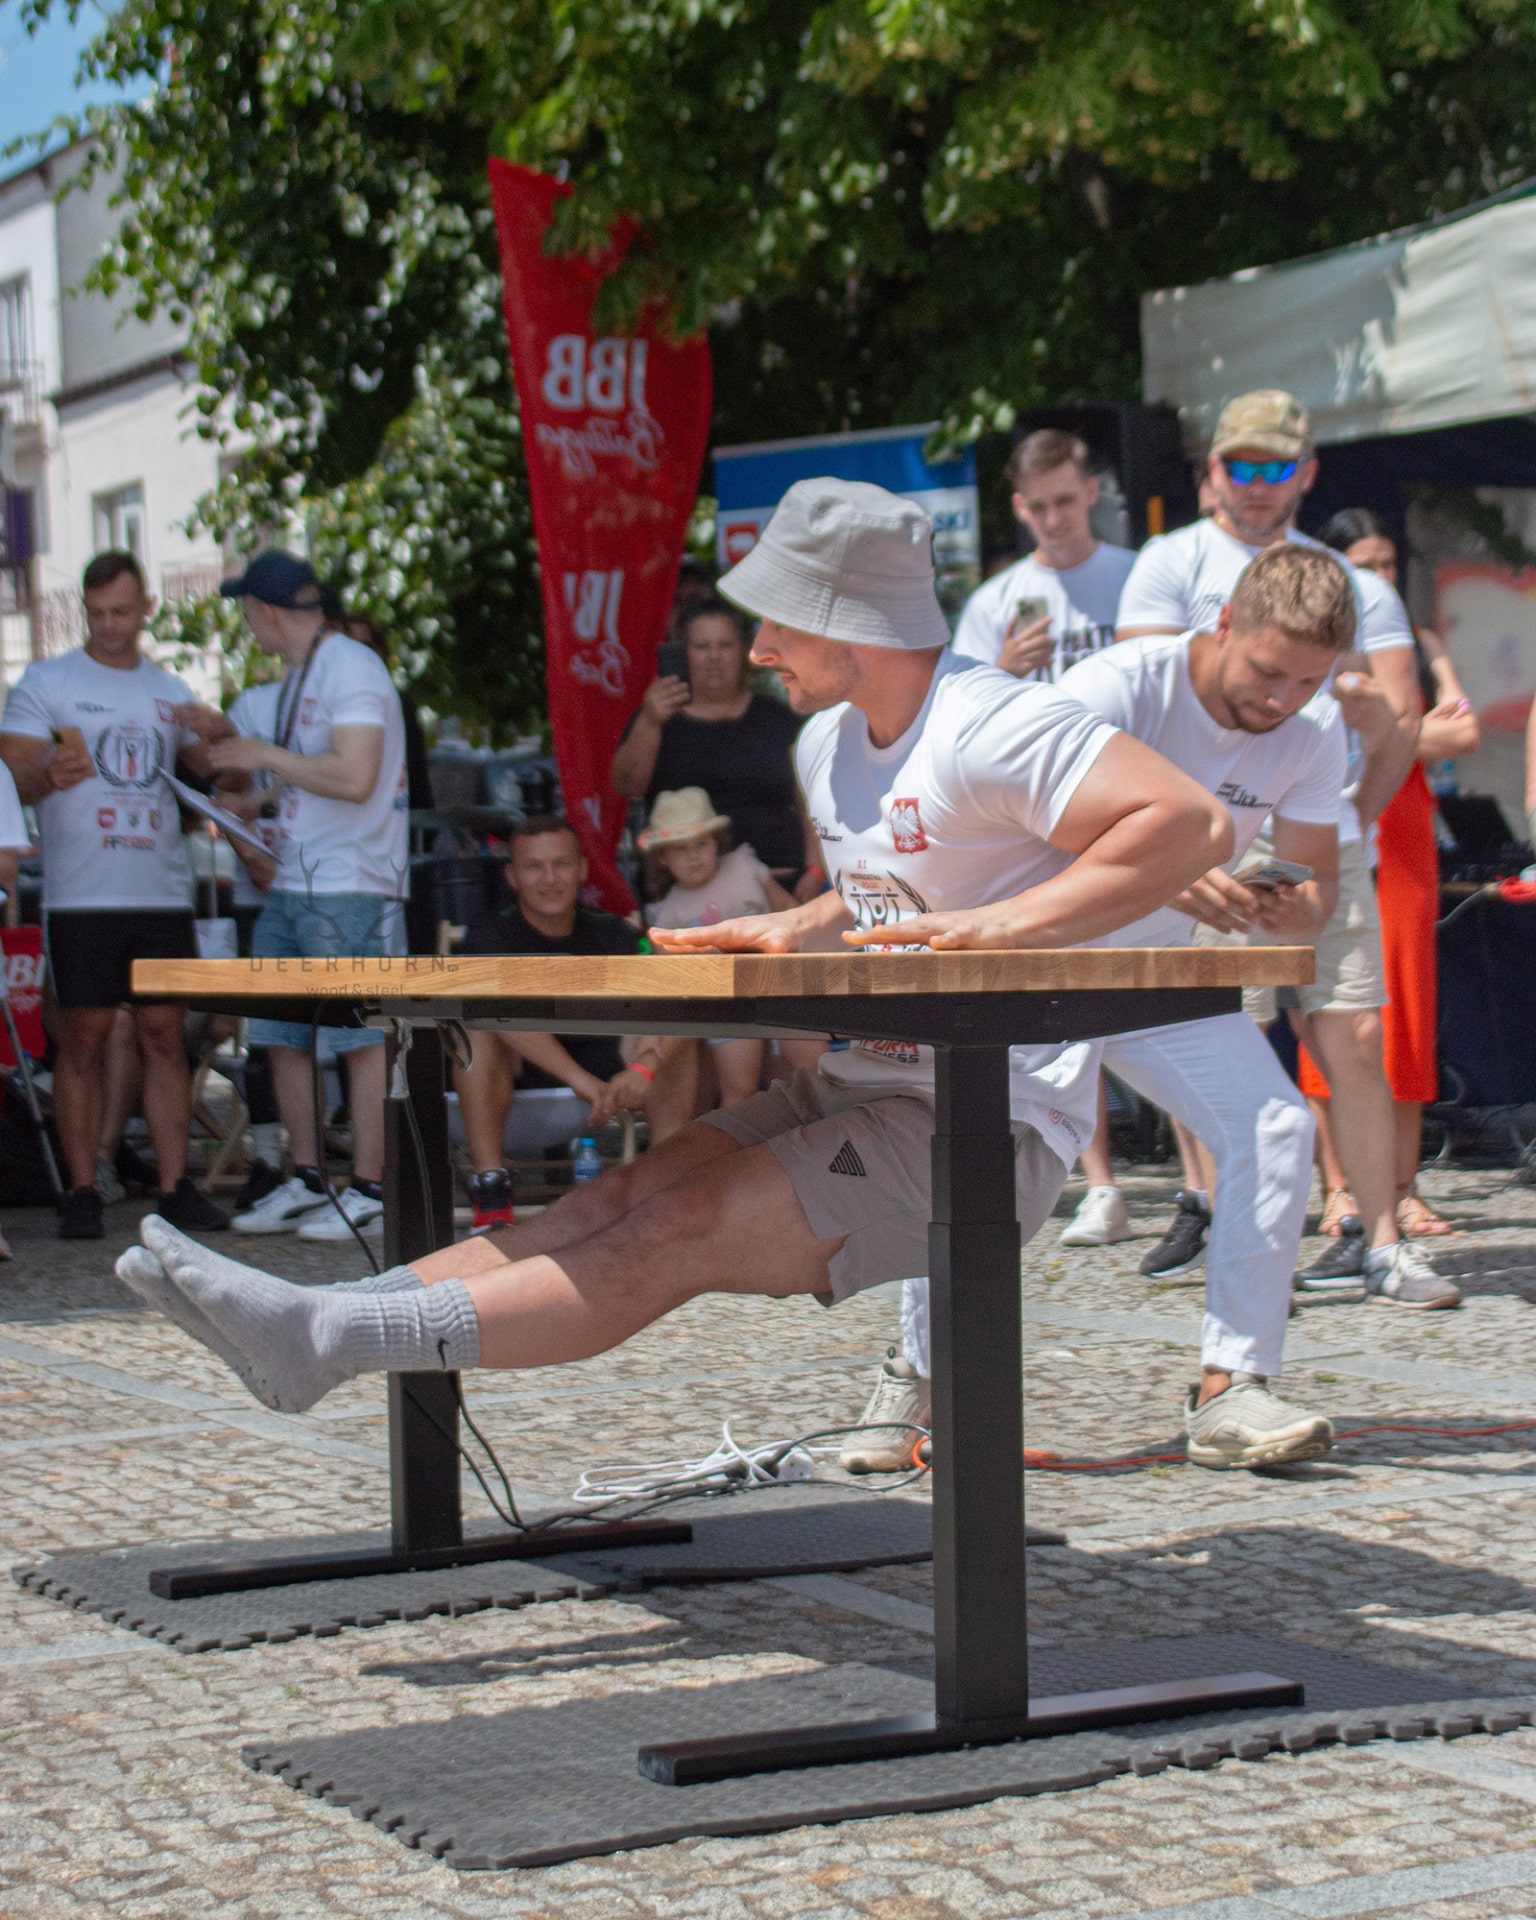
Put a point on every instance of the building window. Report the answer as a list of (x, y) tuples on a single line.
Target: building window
[(120, 521), (15, 330)]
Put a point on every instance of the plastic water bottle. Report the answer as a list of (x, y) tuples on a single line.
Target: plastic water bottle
[(588, 1163)]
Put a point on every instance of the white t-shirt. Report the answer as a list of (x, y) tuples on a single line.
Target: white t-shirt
[(954, 814), (1184, 579), (1297, 771), (343, 846), (1082, 602), (737, 887), (13, 822), (114, 841), (253, 715)]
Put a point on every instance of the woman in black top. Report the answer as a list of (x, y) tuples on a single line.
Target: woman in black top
[(712, 732)]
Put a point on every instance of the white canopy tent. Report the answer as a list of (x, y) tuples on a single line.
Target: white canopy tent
[(1405, 333)]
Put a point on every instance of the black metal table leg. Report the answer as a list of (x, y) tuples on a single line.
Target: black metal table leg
[(981, 1658), (426, 1518)]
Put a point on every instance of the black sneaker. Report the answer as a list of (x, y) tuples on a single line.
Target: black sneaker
[(491, 1196), (259, 1182), (80, 1215), (1183, 1245), (1338, 1273), (192, 1211)]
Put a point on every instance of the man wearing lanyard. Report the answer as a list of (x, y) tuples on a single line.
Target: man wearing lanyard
[(337, 758)]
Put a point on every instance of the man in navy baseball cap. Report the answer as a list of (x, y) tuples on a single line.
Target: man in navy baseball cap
[(277, 579)]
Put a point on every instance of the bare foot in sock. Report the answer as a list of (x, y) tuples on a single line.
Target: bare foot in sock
[(303, 1341), (142, 1273)]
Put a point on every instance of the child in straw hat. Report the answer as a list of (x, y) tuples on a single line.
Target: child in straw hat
[(698, 881)]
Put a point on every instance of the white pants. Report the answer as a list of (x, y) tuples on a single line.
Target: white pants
[(1221, 1079)]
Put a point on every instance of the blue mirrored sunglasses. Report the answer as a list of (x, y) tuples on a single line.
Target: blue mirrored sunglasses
[(1272, 472)]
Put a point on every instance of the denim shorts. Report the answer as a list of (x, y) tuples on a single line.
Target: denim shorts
[(296, 926)]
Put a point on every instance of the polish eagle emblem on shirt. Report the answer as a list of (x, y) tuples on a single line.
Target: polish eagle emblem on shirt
[(907, 827)]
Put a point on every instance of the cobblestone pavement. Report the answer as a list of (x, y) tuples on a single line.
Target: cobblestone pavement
[(121, 1789)]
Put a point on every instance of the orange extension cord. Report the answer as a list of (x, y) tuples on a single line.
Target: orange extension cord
[(1041, 1462)]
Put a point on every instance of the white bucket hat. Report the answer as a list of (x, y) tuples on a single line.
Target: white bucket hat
[(846, 561)]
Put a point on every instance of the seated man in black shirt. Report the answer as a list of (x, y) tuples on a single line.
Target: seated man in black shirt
[(546, 872)]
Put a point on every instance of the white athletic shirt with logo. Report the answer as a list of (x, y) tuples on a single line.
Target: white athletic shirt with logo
[(342, 846), (253, 715), (1082, 603), (114, 841), (1297, 771), (954, 814), (1184, 579)]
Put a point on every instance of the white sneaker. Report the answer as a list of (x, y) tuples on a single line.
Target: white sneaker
[(901, 1396), (1100, 1220), (1248, 1426), (365, 1213), (282, 1210)]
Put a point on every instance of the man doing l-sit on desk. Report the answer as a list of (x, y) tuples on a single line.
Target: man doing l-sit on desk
[(959, 808)]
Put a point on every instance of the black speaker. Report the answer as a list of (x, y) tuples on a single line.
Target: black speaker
[(1138, 452)]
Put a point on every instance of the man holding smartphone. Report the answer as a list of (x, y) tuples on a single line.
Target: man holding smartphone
[(1058, 605), (89, 738)]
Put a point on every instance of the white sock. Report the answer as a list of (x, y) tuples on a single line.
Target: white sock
[(914, 1326), (303, 1341), (1379, 1258), (142, 1273), (391, 1280), (1200, 1194), (267, 1141)]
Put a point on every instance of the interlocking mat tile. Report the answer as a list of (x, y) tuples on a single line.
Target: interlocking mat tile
[(544, 1784), (776, 1531)]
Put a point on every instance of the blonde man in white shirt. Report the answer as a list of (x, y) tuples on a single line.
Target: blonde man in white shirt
[(1036, 620), (1261, 465), (956, 809)]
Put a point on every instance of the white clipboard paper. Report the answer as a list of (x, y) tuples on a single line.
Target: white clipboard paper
[(226, 823)]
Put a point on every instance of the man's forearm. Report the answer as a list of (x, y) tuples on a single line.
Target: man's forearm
[(1388, 762), (329, 776), (1141, 864), (544, 1051)]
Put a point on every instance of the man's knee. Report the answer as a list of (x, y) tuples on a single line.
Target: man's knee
[(160, 1033)]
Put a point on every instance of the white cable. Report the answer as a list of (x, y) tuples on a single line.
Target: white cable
[(730, 1468)]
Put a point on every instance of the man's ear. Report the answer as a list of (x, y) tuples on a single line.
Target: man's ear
[(1091, 489)]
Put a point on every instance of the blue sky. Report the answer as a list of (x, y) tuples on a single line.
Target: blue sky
[(37, 72)]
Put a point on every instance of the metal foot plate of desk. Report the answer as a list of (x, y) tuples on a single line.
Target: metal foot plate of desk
[(686, 1763)]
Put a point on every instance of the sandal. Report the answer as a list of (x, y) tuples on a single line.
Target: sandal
[(1340, 1203), (1417, 1219)]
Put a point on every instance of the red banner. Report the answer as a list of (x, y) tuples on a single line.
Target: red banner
[(22, 950), (615, 430)]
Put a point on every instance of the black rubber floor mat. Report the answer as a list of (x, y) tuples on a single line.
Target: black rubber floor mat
[(769, 1533), (543, 1784)]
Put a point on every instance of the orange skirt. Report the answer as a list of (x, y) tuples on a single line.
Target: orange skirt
[(1408, 896)]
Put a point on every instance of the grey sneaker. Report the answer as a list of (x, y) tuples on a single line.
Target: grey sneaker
[(1248, 1426), (1408, 1280), (901, 1396), (1338, 1272)]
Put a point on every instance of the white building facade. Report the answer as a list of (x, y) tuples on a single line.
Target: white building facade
[(99, 446)]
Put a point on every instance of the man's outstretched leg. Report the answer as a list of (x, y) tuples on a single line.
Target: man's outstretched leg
[(735, 1227)]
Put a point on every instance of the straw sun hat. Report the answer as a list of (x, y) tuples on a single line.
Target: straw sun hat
[(844, 560), (687, 814)]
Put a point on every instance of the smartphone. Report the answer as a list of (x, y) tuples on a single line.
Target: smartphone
[(70, 737), (1268, 875), (1031, 608), (672, 662)]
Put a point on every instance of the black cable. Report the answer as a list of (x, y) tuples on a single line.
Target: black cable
[(319, 1118)]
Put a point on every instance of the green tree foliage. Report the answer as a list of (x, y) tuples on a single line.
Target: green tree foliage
[(883, 210)]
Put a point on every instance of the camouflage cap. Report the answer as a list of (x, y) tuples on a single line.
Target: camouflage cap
[(1270, 421)]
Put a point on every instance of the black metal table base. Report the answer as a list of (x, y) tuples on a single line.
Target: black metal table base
[(296, 1570), (687, 1763)]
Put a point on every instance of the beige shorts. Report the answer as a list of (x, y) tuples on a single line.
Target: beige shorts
[(860, 1162), (1350, 975)]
